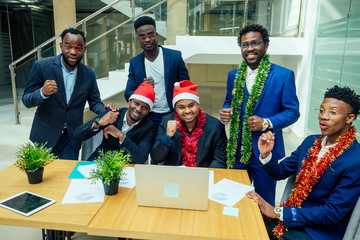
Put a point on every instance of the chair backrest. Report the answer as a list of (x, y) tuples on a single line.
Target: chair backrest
[(90, 145), (353, 228), (288, 187)]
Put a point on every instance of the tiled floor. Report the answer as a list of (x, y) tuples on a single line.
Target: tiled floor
[(12, 135)]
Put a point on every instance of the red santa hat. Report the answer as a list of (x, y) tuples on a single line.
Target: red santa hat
[(145, 93), (185, 90)]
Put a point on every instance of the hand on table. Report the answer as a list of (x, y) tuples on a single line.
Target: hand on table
[(266, 208)]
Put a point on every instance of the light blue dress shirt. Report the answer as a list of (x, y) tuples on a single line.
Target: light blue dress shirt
[(69, 82)]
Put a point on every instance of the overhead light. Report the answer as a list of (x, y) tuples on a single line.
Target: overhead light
[(228, 28)]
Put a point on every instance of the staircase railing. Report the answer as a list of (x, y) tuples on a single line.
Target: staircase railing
[(109, 47), (38, 50)]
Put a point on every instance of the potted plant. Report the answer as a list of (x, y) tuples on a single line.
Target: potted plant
[(109, 169), (32, 158)]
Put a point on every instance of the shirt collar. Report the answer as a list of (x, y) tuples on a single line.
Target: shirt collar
[(324, 141), (251, 72), (125, 121)]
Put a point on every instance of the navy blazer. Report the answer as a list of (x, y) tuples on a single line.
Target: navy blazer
[(175, 71), (138, 141), (52, 113), (278, 102), (211, 145), (325, 213)]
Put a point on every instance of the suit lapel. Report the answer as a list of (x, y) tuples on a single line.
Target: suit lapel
[(142, 69), (266, 84), (166, 68), (119, 121), (178, 144), (201, 145), (59, 78), (136, 129)]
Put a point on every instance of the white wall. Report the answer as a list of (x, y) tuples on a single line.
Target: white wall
[(292, 53), (304, 76)]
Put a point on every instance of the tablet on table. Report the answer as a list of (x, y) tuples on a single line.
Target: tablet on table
[(26, 203)]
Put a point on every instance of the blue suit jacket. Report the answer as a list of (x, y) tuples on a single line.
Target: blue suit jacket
[(278, 102), (211, 145), (175, 71), (326, 211), (52, 113), (138, 142)]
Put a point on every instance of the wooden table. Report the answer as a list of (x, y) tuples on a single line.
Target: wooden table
[(67, 217), (120, 216)]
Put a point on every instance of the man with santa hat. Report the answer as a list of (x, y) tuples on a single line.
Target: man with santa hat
[(128, 128), (189, 136)]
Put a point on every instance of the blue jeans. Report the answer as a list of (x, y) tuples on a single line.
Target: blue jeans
[(157, 117)]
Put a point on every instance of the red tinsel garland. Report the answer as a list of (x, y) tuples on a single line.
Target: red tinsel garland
[(190, 141), (311, 171)]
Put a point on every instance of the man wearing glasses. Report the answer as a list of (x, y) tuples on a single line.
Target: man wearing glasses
[(261, 96), (327, 168), (158, 66)]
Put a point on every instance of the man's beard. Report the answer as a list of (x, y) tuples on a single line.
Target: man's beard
[(72, 66)]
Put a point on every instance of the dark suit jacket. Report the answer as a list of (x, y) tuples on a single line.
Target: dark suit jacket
[(211, 145), (175, 71), (278, 102), (325, 213), (52, 113), (138, 141)]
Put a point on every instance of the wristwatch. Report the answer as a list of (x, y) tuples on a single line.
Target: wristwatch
[(265, 124), (96, 121), (278, 210)]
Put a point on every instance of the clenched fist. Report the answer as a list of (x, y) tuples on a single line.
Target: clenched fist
[(171, 128), (225, 114), (49, 88)]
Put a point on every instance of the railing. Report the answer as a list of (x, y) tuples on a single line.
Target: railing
[(83, 23), (111, 40), (38, 51)]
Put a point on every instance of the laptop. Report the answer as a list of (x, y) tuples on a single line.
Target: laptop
[(172, 187)]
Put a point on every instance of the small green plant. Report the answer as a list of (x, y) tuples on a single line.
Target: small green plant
[(32, 157), (110, 166)]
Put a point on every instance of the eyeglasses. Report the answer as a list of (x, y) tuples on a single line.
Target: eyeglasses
[(254, 44), (329, 113), (150, 35)]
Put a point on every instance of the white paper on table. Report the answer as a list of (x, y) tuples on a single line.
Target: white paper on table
[(211, 182), (129, 179), (228, 192), (86, 169), (84, 191), (230, 211)]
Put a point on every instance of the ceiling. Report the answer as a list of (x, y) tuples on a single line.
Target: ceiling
[(81, 5)]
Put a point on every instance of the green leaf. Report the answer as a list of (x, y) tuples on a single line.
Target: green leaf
[(32, 157), (110, 166)]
